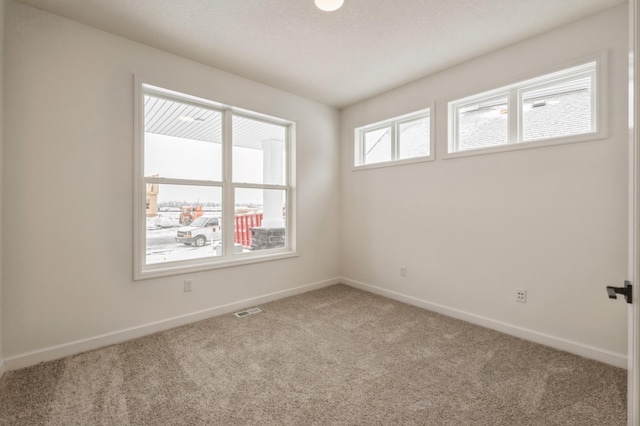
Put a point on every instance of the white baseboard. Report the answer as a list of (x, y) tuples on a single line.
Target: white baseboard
[(96, 342), (611, 358)]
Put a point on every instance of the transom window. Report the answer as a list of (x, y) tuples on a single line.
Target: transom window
[(400, 139), (559, 107), (214, 185)]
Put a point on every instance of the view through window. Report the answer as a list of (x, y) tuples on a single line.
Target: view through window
[(561, 106), (217, 182), (395, 140)]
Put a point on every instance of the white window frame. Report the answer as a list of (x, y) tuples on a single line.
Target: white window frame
[(228, 257), (394, 124), (595, 66)]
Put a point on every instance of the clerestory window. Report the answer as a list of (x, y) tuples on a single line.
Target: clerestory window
[(395, 141), (560, 107)]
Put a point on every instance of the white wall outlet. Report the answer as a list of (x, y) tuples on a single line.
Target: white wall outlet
[(403, 271), (187, 285), (521, 295)]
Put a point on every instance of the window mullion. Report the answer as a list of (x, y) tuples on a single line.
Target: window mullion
[(260, 186), (514, 117), (174, 181), (394, 142), (228, 190)]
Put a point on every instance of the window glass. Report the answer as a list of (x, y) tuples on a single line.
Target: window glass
[(178, 231), (483, 124), (181, 140), (259, 154), (556, 110), (260, 219), (377, 145), (414, 138)]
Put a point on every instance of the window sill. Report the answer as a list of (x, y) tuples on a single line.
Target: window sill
[(393, 163), (527, 145), (200, 265)]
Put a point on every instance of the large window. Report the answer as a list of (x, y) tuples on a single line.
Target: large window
[(398, 140), (560, 107), (214, 185)]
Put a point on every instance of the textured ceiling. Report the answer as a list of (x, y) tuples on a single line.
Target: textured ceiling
[(338, 58)]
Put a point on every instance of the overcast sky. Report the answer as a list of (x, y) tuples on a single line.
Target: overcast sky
[(173, 157)]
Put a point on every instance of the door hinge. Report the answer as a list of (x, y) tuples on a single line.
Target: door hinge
[(626, 291)]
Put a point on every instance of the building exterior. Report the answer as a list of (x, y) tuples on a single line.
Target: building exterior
[(152, 199)]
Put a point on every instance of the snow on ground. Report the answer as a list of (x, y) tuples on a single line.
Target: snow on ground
[(163, 221), (161, 244), (181, 252), (163, 247)]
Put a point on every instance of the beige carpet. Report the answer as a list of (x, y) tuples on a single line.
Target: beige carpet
[(336, 356)]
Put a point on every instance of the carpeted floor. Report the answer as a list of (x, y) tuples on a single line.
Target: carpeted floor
[(335, 356)]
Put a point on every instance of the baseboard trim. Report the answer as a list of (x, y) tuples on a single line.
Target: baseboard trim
[(1, 368), (96, 342), (611, 358)]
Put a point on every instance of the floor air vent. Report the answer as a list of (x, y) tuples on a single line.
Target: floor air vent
[(248, 312)]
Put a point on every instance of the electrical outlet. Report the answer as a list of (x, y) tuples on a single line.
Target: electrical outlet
[(521, 295), (187, 285), (403, 271)]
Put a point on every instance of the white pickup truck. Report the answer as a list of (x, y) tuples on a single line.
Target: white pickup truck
[(201, 231)]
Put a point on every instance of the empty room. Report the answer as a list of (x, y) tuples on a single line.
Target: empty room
[(339, 212)]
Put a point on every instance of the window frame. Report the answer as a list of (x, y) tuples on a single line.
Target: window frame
[(143, 86), (394, 123), (514, 93)]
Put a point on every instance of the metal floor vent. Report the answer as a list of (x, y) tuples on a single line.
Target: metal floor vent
[(248, 312)]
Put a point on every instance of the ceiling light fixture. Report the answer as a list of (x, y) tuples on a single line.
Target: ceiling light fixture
[(329, 5)]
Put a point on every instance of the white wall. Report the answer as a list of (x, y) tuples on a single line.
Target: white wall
[(471, 230), (68, 188)]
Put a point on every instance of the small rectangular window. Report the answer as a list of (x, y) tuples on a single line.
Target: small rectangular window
[(398, 140), (559, 107)]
